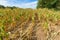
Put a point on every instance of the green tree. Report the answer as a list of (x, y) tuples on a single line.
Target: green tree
[(1, 6), (47, 3)]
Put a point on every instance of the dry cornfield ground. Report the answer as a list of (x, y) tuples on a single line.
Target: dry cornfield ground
[(29, 24)]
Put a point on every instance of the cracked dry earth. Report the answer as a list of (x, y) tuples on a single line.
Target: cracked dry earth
[(28, 30)]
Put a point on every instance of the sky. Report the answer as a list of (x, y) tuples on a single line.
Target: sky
[(19, 3)]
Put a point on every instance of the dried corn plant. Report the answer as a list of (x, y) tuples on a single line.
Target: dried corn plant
[(29, 24)]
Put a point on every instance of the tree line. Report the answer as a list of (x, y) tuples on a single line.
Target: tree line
[(1, 6), (48, 4), (42, 4)]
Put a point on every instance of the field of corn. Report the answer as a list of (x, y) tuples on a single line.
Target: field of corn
[(29, 24)]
